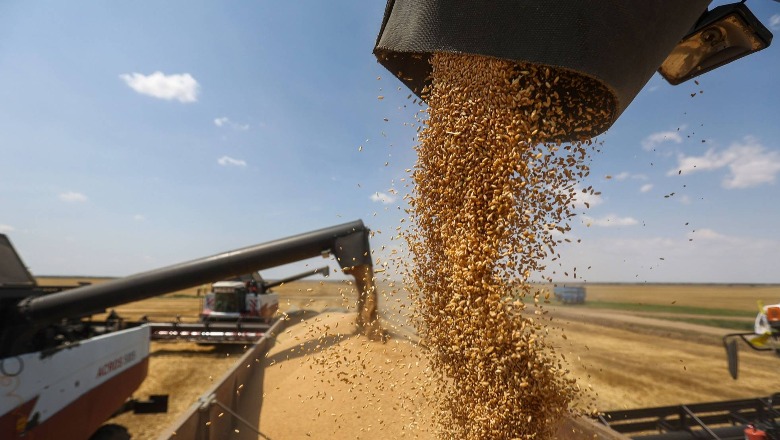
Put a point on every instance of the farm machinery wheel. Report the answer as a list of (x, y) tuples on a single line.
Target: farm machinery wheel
[(111, 432)]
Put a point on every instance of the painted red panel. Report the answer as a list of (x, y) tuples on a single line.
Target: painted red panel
[(80, 419)]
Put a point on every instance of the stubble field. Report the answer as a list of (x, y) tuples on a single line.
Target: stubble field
[(622, 358)]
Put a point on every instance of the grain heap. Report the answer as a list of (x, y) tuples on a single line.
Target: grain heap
[(493, 192)]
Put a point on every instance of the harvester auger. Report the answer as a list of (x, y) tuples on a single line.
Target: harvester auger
[(62, 376)]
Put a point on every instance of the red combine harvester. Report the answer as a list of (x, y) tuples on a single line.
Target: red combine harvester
[(247, 298), (63, 375), (238, 311)]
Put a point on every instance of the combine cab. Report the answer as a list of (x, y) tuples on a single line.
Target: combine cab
[(247, 298), (236, 301), (238, 311)]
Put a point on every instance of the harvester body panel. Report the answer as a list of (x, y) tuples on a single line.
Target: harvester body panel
[(74, 389), (263, 306), (768, 320)]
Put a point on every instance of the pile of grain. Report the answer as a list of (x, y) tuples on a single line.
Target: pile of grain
[(493, 193), (324, 380)]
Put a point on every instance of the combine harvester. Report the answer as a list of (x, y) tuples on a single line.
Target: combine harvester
[(750, 419), (743, 419), (765, 336), (237, 311), (248, 298), (63, 375)]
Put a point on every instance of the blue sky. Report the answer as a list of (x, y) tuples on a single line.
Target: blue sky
[(136, 135)]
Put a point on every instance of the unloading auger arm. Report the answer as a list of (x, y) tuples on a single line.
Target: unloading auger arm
[(324, 271), (348, 242)]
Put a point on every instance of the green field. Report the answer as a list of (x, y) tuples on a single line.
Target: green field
[(731, 307), (670, 308), (737, 297)]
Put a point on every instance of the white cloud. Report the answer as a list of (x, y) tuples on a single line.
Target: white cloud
[(229, 161), (749, 163), (626, 175), (710, 161), (706, 234), (139, 218), (586, 199), (182, 87), (646, 187), (774, 22), (654, 139), (383, 197), (610, 220), (623, 176), (226, 122), (648, 246), (4, 229), (710, 235), (72, 196)]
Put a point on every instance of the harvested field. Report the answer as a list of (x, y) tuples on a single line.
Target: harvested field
[(629, 361), (638, 368), (713, 296)]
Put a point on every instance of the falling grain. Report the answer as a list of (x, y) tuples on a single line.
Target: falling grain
[(492, 185)]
